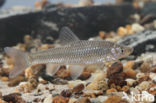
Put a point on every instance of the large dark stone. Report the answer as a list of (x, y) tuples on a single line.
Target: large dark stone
[(2, 2), (141, 42), (84, 21)]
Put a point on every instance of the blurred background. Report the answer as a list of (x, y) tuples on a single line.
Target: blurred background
[(30, 3)]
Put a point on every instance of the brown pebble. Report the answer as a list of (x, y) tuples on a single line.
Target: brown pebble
[(63, 73), (14, 98), (137, 64), (113, 99), (129, 65), (0, 94), (83, 100), (4, 79), (117, 79), (145, 67), (78, 88), (15, 81), (4, 71), (115, 68), (144, 78), (125, 88), (66, 93), (153, 69), (130, 73), (121, 31), (111, 90), (102, 34), (85, 75), (44, 82), (102, 85), (60, 99)]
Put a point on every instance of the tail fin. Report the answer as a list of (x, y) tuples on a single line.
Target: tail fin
[(20, 59)]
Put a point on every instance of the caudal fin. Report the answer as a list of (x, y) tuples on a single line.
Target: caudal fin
[(20, 59)]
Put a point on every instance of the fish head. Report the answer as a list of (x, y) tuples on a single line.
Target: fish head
[(120, 51)]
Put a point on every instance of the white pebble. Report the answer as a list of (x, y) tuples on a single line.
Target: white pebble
[(48, 99), (130, 81), (140, 75)]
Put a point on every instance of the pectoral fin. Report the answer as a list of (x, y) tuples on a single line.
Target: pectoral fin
[(75, 71), (51, 69)]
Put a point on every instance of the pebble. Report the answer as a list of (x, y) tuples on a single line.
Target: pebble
[(85, 75), (60, 99), (115, 68), (102, 98), (109, 91), (28, 86), (117, 79), (129, 65), (72, 84), (137, 28), (63, 73), (13, 98), (121, 31), (143, 86), (4, 79), (66, 93), (99, 76), (140, 75), (83, 100), (78, 88), (130, 73), (92, 86), (4, 72), (102, 34), (153, 69), (46, 46), (125, 88), (48, 99), (72, 100), (102, 85), (15, 81), (130, 81), (145, 67), (113, 99)]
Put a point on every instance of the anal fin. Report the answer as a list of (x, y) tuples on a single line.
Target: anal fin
[(75, 71)]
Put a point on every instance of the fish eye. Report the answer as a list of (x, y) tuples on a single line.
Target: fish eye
[(122, 50)]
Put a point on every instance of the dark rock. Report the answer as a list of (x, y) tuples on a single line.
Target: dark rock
[(153, 69), (141, 42), (117, 79), (66, 93), (85, 75), (115, 68), (2, 2), (15, 81), (47, 23), (149, 8), (13, 98), (78, 88)]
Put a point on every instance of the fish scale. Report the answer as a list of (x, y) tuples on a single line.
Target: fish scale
[(88, 51)]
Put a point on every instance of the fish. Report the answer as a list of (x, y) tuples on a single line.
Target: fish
[(73, 52)]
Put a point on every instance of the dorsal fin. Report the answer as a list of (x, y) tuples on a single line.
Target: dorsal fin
[(67, 36)]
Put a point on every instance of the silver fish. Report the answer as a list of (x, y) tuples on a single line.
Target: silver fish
[(74, 51)]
